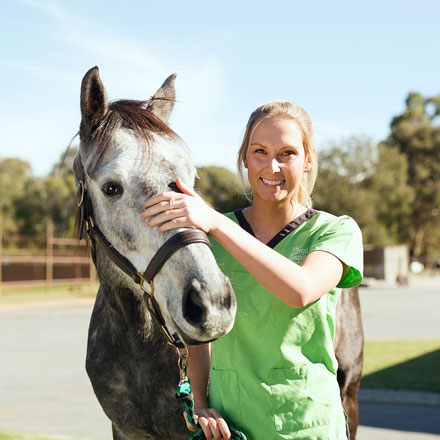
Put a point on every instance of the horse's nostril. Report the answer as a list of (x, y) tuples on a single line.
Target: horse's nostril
[(193, 308)]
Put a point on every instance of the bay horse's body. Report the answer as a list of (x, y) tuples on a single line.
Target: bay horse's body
[(349, 348), (128, 154)]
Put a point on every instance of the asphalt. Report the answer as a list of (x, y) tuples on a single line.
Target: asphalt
[(44, 387)]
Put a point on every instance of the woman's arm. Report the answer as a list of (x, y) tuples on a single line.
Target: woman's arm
[(210, 420), (295, 285), (199, 363)]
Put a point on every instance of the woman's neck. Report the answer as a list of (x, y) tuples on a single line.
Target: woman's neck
[(267, 219)]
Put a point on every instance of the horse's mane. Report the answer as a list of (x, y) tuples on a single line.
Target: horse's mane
[(132, 114)]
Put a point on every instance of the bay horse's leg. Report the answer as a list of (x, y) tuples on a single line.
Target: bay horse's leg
[(117, 434), (349, 349)]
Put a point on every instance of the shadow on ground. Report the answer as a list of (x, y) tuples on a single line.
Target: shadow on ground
[(421, 374)]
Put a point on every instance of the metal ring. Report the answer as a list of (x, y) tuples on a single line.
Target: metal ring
[(81, 199), (171, 201)]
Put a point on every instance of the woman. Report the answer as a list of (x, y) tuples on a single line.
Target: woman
[(274, 374)]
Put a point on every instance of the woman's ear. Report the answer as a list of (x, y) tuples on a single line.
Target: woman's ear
[(308, 162)]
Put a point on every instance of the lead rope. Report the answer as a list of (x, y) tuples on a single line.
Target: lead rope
[(183, 392)]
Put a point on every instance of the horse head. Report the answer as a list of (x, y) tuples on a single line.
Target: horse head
[(127, 154)]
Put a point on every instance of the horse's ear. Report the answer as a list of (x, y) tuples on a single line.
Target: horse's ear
[(94, 103), (162, 103)]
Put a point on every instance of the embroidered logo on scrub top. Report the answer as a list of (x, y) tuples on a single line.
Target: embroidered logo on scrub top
[(298, 254)]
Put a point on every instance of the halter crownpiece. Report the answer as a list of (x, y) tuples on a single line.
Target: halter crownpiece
[(146, 278)]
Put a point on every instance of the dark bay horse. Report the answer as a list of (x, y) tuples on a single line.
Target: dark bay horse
[(349, 349)]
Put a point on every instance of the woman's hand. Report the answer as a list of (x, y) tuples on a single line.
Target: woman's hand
[(212, 424), (173, 210)]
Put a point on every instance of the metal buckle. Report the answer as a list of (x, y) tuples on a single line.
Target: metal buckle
[(183, 362), (81, 200), (142, 284), (89, 224)]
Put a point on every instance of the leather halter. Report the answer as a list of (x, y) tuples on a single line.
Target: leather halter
[(146, 278)]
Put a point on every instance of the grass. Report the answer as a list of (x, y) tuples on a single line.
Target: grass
[(402, 364), (38, 293), (10, 435)]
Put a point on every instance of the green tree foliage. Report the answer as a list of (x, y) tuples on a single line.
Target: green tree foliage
[(368, 183), (14, 175), (32, 202), (416, 134), (30, 210), (341, 189), (394, 196), (219, 187)]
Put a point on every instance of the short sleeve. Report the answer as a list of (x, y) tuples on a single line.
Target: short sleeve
[(343, 238)]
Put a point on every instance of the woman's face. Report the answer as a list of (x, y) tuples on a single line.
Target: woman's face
[(276, 160)]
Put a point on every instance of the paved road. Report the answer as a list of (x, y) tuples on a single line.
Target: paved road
[(391, 312), (44, 387)]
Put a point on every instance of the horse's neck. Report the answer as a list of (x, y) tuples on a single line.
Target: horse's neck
[(123, 323), (131, 366), (126, 310)]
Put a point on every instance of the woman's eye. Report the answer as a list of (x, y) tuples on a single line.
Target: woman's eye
[(112, 189)]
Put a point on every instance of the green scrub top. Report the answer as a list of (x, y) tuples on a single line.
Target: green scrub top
[(274, 375)]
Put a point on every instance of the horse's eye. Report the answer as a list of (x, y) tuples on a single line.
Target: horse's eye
[(112, 189)]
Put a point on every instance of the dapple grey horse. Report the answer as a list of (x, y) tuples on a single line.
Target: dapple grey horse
[(128, 154)]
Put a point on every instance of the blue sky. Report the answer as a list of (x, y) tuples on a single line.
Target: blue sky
[(350, 64)]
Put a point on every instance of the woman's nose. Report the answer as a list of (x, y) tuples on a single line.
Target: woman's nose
[(274, 165)]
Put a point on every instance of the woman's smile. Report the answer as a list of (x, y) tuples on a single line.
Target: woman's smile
[(272, 182)]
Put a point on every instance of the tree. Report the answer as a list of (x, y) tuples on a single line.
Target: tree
[(394, 197), (14, 175), (340, 187), (52, 198), (369, 183), (219, 187), (416, 134), (30, 209)]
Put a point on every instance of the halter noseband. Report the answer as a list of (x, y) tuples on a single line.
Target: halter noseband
[(144, 279)]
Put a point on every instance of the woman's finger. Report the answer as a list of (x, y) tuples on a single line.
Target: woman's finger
[(214, 428), (167, 195), (179, 222), (159, 207), (185, 188), (221, 424), (203, 422), (168, 216), (165, 206), (223, 428)]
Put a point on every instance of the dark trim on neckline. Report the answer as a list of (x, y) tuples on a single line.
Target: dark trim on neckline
[(283, 233)]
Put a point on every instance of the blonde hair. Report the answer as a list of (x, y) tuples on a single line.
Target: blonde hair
[(284, 110)]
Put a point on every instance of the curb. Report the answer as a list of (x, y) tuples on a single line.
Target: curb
[(399, 397)]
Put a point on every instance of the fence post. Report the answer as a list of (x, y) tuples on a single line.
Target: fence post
[(1, 253), (49, 257)]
